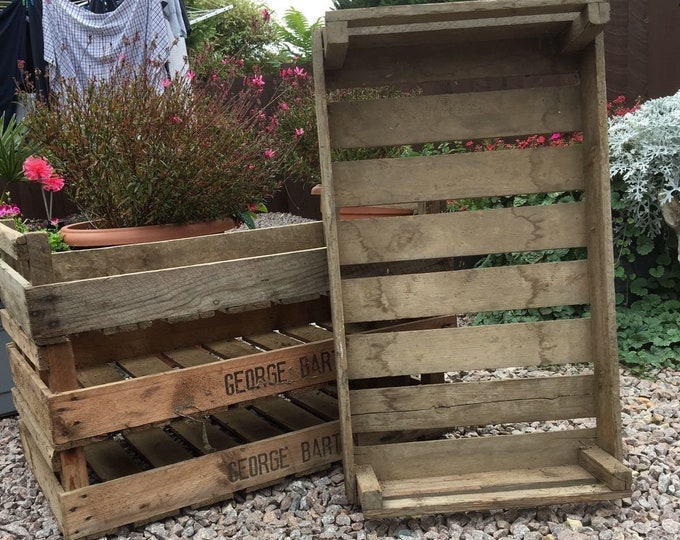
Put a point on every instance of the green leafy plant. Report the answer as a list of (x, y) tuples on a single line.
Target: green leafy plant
[(245, 31), (649, 334), (136, 150), (644, 152), (295, 35), (14, 149)]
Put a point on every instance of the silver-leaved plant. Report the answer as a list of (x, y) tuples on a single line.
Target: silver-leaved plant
[(644, 149)]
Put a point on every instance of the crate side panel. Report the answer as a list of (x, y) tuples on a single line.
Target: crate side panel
[(67, 308), (98, 410), (106, 506), (90, 263)]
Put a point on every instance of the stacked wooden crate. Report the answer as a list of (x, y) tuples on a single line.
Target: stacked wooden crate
[(489, 69), (159, 376)]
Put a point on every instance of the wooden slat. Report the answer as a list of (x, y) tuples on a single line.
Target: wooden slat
[(109, 460), (29, 418), (67, 308), (247, 425), (469, 404), (191, 356), (143, 366), (464, 291), (84, 264), (459, 234), (162, 396), (453, 11), (485, 482), (462, 456), (272, 340), (285, 413), (457, 31), (458, 176), (404, 64), (472, 347), (600, 253), (96, 375), (336, 41), (39, 258), (330, 217), (320, 403), (157, 446), (523, 498), (232, 348), (423, 119), (203, 435), (308, 332)]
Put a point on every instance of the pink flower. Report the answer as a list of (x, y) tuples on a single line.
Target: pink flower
[(21, 64), (256, 81), (283, 106), (37, 169), (175, 119), (266, 16), (165, 83), (190, 75), (9, 210), (269, 153), (53, 183), (555, 136), (299, 132), (540, 139), (300, 72)]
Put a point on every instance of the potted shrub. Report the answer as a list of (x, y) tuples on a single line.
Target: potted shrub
[(644, 152), (136, 151)]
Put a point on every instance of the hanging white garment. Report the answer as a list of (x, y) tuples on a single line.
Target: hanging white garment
[(88, 46), (173, 14)]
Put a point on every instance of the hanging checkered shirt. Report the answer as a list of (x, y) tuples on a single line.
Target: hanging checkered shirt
[(86, 46)]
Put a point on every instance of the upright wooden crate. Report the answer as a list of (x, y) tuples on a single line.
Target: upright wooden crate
[(502, 69), (171, 374)]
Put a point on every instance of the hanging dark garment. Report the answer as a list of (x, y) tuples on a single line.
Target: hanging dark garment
[(13, 50), (103, 6), (35, 58)]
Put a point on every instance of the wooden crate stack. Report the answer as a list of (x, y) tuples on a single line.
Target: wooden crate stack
[(490, 69), (159, 376)]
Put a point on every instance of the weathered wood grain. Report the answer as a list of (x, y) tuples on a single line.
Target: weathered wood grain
[(72, 307), (472, 404), (423, 119), (586, 27), (458, 176), (90, 263), (459, 234), (465, 291), (471, 347), (606, 468), (462, 456)]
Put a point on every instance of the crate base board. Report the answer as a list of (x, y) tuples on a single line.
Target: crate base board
[(94, 510), (520, 488)]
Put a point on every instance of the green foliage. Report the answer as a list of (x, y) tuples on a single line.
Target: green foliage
[(351, 4), (14, 149), (138, 150), (245, 31), (649, 334), (295, 35), (53, 236)]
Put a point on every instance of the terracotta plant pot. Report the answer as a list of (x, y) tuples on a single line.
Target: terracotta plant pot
[(350, 213), (84, 234)]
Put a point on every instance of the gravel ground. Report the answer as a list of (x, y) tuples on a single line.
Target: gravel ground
[(315, 507)]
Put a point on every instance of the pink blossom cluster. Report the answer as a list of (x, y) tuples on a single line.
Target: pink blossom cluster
[(9, 210), (617, 106), (38, 169)]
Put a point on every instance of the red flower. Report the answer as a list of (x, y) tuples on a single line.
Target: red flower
[(53, 183), (37, 169)]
